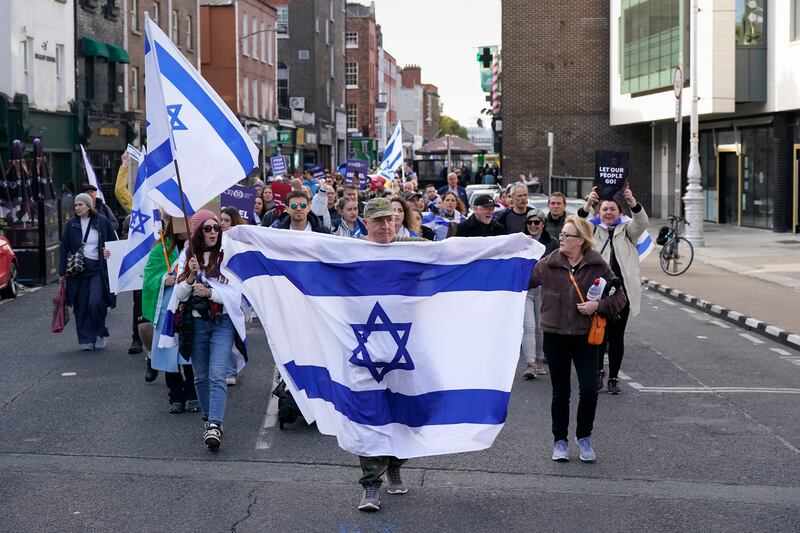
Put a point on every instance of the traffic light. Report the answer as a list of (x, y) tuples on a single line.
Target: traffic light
[(485, 57)]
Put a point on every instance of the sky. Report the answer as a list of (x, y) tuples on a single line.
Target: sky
[(442, 37)]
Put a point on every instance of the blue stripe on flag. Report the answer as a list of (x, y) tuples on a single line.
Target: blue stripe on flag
[(146, 44), (137, 254), (385, 278), (158, 158), (172, 193), (644, 245), (198, 97), (381, 407), (168, 327)]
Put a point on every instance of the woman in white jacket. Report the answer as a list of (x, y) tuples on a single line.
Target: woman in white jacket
[(615, 237)]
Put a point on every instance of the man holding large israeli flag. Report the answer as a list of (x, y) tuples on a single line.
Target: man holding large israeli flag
[(393, 155), (144, 231), (189, 122), (361, 342)]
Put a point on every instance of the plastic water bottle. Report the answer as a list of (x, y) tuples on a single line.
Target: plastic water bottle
[(596, 290)]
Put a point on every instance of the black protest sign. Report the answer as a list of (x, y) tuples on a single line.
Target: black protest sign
[(611, 174)]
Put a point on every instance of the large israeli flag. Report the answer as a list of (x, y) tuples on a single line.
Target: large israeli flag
[(373, 340), (189, 122), (393, 155), (143, 233)]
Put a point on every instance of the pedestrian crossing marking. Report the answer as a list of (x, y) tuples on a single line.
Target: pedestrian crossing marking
[(780, 351)]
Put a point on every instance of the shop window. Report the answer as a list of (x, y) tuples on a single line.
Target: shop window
[(750, 22)]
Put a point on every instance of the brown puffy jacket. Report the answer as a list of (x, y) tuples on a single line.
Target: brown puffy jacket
[(559, 299)]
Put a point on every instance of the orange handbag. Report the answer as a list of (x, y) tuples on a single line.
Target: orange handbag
[(597, 332)]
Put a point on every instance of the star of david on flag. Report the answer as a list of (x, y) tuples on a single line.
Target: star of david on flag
[(138, 221), (400, 360), (361, 340), (189, 123)]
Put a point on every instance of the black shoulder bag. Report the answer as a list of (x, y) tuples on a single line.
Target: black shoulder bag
[(76, 263)]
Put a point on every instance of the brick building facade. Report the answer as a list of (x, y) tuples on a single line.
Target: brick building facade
[(361, 68), (556, 78), (431, 111)]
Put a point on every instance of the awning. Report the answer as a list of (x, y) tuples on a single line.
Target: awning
[(117, 54), (94, 48)]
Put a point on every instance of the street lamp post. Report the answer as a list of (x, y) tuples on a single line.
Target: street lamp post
[(694, 198)]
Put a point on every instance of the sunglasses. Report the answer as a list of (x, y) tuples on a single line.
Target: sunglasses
[(209, 229), (535, 222), (302, 205)]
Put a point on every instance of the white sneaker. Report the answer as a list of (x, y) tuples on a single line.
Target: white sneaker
[(587, 452), (230, 381), (560, 451)]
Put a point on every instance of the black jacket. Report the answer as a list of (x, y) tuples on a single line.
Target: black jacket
[(550, 244), (72, 240), (285, 222), (472, 227), (103, 210)]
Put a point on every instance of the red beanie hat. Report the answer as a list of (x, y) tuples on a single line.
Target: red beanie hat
[(200, 217)]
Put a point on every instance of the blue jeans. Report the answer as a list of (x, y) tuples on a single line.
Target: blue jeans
[(211, 351)]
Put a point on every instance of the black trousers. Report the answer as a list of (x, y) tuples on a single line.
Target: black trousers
[(562, 352), (614, 342), (181, 385), (137, 315)]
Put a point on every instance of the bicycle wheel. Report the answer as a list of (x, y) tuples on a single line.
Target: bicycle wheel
[(676, 256)]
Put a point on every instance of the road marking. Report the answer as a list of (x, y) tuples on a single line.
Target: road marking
[(780, 351), (623, 376), (687, 310), (270, 417), (655, 307), (69, 374), (793, 360), (701, 337), (751, 338), (22, 292), (716, 322), (637, 386), (716, 390)]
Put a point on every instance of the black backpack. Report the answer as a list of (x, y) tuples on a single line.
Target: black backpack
[(288, 411), (663, 235)]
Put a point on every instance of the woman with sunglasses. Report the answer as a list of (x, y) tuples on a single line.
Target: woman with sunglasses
[(210, 304), (565, 277), (532, 348)]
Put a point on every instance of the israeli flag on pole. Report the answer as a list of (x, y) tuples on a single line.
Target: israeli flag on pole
[(393, 155), (90, 175), (143, 233), (189, 122), (363, 339)]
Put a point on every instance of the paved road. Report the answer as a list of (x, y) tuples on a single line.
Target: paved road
[(706, 436)]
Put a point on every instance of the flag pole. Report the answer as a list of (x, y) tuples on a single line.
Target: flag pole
[(164, 248), (183, 200)]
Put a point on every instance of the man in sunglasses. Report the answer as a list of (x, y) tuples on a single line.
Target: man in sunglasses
[(481, 223), (298, 215)]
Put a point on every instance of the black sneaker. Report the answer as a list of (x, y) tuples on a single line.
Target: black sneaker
[(613, 386), (370, 499), (600, 376), (150, 374), (212, 436), (136, 347), (175, 408)]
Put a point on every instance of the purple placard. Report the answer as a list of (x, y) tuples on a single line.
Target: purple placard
[(318, 171), (357, 170), (241, 198)]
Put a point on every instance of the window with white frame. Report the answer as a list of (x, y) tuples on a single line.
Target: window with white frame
[(175, 34), (255, 98), (28, 67), (352, 116), (351, 39), (270, 47), (263, 95), (351, 75), (134, 16), (795, 34), (246, 96), (270, 101), (156, 13), (243, 37), (254, 39), (283, 20), (134, 94), (60, 79), (189, 33), (263, 36)]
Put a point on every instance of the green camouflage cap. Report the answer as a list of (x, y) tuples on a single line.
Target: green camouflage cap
[(377, 208)]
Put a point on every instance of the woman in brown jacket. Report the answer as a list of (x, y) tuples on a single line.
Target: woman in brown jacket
[(566, 322)]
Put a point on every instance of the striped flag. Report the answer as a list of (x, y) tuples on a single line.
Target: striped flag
[(90, 175), (393, 155)]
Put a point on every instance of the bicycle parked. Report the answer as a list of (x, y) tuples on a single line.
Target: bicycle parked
[(677, 253)]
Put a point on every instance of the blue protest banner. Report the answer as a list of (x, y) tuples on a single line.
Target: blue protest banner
[(318, 171), (241, 198), (357, 170), (278, 165)]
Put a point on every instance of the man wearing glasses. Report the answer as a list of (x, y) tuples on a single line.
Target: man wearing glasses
[(481, 222), (298, 215)]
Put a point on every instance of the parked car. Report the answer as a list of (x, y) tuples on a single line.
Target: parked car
[(9, 266), (479, 188)]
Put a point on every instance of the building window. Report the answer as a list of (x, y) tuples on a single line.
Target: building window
[(351, 75), (255, 98), (244, 37), (270, 103), (175, 37), (134, 16), (89, 67), (134, 95), (283, 85), (270, 47), (263, 36), (28, 68), (189, 43), (246, 97), (795, 29), (351, 39), (60, 81), (352, 116), (263, 95), (157, 13), (255, 39), (750, 22), (651, 43), (283, 20)]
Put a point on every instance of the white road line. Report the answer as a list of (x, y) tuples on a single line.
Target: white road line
[(719, 323), (701, 337), (780, 351), (635, 385), (717, 390), (751, 338), (270, 417), (687, 310), (669, 302), (69, 374), (623, 376)]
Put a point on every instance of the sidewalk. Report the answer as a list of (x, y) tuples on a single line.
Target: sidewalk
[(753, 273)]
